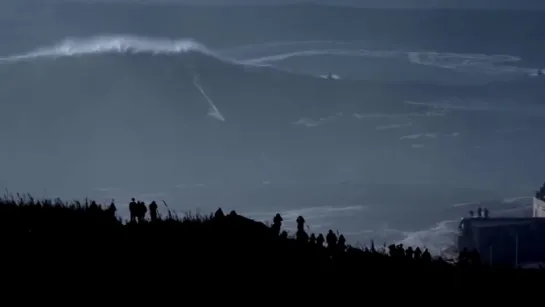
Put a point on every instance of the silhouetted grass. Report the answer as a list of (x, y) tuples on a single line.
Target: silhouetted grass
[(66, 236)]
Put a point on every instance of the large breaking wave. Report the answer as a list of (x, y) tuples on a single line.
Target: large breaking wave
[(168, 64), (114, 44), (136, 44)]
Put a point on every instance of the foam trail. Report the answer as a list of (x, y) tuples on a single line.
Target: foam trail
[(456, 104), (333, 77), (306, 53), (438, 239), (212, 110), (484, 63), (308, 122), (268, 45)]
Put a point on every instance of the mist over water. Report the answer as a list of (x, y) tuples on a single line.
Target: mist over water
[(391, 133)]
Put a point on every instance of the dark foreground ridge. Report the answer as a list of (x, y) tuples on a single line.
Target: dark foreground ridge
[(62, 237)]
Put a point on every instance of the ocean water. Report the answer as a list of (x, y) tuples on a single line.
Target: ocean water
[(428, 114)]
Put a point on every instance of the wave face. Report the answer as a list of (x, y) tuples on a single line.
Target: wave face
[(355, 130)]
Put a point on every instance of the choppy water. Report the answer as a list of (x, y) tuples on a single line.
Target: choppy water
[(205, 107)]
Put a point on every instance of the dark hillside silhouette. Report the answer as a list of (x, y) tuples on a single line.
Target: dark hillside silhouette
[(89, 237)]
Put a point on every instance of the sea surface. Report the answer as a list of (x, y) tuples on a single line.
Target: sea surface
[(382, 124)]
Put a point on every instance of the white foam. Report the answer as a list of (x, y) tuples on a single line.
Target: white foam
[(419, 135), (310, 123), (430, 135), (318, 52), (454, 104), (313, 215), (392, 126), (460, 205), (333, 77), (516, 199), (115, 44), (474, 105), (436, 239), (267, 45), (307, 122), (538, 73), (411, 137), (484, 63), (363, 116), (518, 211)]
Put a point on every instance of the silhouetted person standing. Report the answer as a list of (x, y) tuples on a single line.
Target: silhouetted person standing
[(312, 239), (301, 234), (153, 211), (112, 209), (409, 252), (320, 240), (341, 245), (133, 209), (426, 256), (277, 224), (392, 251), (331, 239), (400, 250), (141, 211), (219, 214), (93, 209), (417, 253)]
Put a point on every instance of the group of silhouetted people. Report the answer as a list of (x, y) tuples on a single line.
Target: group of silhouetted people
[(338, 243), (217, 244), (331, 242), (226, 236), (94, 208), (79, 216), (398, 251), (481, 213), (138, 211)]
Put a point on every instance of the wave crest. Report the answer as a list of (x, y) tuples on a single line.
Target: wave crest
[(122, 44), (116, 44)]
